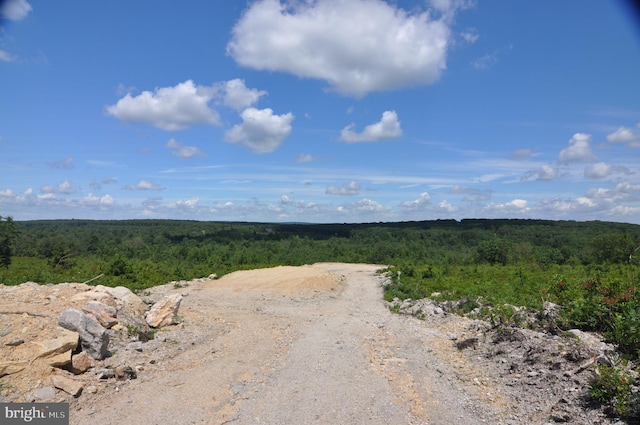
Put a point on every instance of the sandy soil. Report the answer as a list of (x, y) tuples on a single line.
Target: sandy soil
[(297, 345)]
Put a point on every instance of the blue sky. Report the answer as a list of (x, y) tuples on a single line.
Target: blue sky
[(320, 110)]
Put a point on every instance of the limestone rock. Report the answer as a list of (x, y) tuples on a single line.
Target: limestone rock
[(44, 393), (102, 297), (67, 385), (81, 362), (124, 298), (9, 368), (164, 312), (93, 337), (59, 360), (65, 343), (104, 314)]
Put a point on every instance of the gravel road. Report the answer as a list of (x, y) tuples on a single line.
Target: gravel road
[(298, 345)]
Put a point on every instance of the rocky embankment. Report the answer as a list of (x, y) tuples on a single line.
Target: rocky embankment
[(58, 342)]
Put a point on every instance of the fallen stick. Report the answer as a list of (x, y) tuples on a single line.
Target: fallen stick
[(91, 280)]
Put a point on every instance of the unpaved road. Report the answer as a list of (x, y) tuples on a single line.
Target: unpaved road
[(298, 345)]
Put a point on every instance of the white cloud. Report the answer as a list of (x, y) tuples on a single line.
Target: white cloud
[(351, 189), (470, 36), (15, 10), (184, 152), (357, 46), (601, 170), (516, 205), (261, 130), (421, 202), (579, 150), (169, 108), (66, 188), (238, 96), (623, 135), (185, 204), (387, 128), (485, 61), (303, 157), (144, 185), (92, 199), (364, 206), (545, 172)]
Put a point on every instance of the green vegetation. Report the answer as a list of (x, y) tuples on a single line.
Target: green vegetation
[(590, 268)]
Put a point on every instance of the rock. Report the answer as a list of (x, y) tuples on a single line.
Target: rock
[(66, 342), (44, 393), (137, 346), (105, 373), (93, 337), (101, 297), (59, 360), (9, 368), (136, 326), (125, 372), (67, 385), (105, 315), (164, 312), (92, 389), (15, 342), (124, 298), (81, 362)]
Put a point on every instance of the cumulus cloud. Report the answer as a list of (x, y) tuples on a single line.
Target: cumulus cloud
[(625, 135), (545, 173), (516, 205), (387, 128), (579, 150), (601, 170), (357, 46), (261, 130), (184, 152), (169, 108), (423, 200), (238, 96), (350, 189), (364, 206), (65, 188), (14, 10), (144, 185)]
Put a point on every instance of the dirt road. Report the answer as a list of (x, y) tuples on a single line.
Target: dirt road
[(297, 345)]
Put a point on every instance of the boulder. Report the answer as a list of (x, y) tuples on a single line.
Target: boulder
[(104, 314), (164, 312), (93, 337), (124, 298), (67, 385)]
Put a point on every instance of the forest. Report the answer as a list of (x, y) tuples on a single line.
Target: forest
[(590, 268)]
